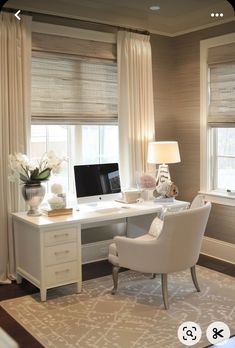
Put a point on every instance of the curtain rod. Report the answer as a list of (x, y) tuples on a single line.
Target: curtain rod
[(30, 13)]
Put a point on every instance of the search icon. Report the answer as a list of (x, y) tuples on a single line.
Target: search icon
[(189, 333)]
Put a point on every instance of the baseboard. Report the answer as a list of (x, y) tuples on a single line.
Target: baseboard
[(218, 249)]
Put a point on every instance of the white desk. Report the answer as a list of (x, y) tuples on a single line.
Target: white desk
[(48, 249)]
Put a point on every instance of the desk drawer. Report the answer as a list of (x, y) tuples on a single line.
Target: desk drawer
[(63, 273), (60, 236), (60, 253)]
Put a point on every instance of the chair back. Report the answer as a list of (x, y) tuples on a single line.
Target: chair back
[(181, 238), (197, 202)]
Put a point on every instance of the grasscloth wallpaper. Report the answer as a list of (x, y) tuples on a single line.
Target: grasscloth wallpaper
[(176, 76)]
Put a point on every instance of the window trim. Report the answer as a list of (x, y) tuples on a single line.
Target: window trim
[(215, 196)]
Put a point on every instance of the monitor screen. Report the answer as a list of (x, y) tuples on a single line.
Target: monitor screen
[(97, 179)]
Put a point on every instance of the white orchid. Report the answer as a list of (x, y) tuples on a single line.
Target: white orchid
[(26, 171), (54, 163), (17, 161)]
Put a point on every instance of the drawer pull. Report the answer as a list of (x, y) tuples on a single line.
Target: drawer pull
[(63, 271), (61, 252), (61, 235)]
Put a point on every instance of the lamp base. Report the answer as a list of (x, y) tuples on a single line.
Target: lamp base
[(163, 174)]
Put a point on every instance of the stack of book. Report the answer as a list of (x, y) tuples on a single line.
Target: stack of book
[(57, 212)]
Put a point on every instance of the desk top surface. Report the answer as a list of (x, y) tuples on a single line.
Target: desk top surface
[(91, 213)]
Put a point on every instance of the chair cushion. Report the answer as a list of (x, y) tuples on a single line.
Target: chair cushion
[(156, 227), (113, 254)]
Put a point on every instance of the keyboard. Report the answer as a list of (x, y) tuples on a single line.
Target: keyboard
[(107, 210)]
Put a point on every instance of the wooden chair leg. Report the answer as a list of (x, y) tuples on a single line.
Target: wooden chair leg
[(194, 278), (115, 279), (164, 290)]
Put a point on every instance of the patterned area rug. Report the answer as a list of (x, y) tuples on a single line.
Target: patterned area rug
[(134, 317)]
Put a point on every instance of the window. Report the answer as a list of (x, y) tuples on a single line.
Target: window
[(221, 123), (218, 115), (45, 138), (74, 100), (84, 144), (223, 155)]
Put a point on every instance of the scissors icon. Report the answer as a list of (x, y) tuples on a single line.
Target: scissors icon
[(217, 333)]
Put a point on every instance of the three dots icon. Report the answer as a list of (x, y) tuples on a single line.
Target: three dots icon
[(217, 15)]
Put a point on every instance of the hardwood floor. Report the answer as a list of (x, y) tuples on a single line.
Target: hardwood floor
[(92, 270), (217, 265), (16, 331)]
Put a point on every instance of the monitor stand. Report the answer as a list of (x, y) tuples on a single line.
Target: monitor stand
[(97, 202), (93, 205)]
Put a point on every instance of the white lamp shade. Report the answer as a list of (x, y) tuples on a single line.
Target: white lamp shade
[(163, 152)]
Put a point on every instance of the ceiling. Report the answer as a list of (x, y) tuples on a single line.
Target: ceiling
[(175, 17)]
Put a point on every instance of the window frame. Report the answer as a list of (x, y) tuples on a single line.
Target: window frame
[(207, 162)]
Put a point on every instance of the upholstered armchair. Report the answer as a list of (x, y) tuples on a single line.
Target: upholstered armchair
[(175, 246)]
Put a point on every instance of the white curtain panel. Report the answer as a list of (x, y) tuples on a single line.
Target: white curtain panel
[(15, 90), (135, 110)]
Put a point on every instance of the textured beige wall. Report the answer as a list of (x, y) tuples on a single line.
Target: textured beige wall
[(176, 74), (163, 68)]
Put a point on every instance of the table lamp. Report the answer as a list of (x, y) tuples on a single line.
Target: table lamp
[(163, 153)]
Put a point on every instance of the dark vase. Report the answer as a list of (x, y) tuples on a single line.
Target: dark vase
[(33, 195)]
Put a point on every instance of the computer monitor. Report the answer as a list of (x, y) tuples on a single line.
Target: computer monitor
[(95, 182)]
